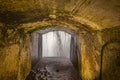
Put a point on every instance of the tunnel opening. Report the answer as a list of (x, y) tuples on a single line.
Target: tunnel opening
[(55, 50), (56, 44), (62, 42)]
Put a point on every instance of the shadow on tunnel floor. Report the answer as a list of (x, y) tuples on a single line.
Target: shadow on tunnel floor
[(53, 69)]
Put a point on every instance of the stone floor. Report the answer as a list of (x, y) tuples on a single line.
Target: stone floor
[(53, 69)]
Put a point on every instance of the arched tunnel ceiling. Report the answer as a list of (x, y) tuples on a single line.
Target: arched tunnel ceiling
[(97, 14)]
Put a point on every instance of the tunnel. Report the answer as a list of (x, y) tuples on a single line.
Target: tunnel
[(62, 39), (54, 46)]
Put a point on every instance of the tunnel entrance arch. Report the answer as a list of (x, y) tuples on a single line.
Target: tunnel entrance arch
[(37, 45), (110, 61)]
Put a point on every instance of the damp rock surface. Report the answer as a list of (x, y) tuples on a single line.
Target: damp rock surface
[(53, 69)]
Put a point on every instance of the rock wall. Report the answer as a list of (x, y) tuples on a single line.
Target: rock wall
[(98, 61), (96, 22), (98, 14), (15, 58), (90, 56)]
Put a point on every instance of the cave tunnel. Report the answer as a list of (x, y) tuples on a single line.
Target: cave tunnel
[(81, 37), (55, 47)]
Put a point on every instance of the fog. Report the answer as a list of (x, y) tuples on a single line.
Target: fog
[(56, 44)]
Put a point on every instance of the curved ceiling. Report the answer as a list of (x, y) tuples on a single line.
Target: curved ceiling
[(97, 14)]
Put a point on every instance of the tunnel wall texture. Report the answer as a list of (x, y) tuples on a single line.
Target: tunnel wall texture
[(17, 64), (91, 53), (97, 22), (15, 60)]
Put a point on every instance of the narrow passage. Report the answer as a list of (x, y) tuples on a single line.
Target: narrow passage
[(53, 69)]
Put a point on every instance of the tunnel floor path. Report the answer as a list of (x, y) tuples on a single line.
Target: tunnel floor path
[(53, 69)]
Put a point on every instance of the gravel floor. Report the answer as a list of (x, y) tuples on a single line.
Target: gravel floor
[(53, 69)]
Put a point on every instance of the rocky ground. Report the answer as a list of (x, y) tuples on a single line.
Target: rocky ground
[(53, 69)]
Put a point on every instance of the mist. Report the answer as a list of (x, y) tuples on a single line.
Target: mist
[(56, 44)]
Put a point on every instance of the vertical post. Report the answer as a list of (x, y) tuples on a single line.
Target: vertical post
[(35, 41), (74, 52), (39, 47)]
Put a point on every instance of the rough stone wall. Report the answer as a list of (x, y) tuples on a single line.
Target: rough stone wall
[(15, 60), (21, 17), (8, 62), (90, 56), (111, 54), (15, 49), (24, 58), (111, 61), (92, 45), (98, 14), (17, 56)]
